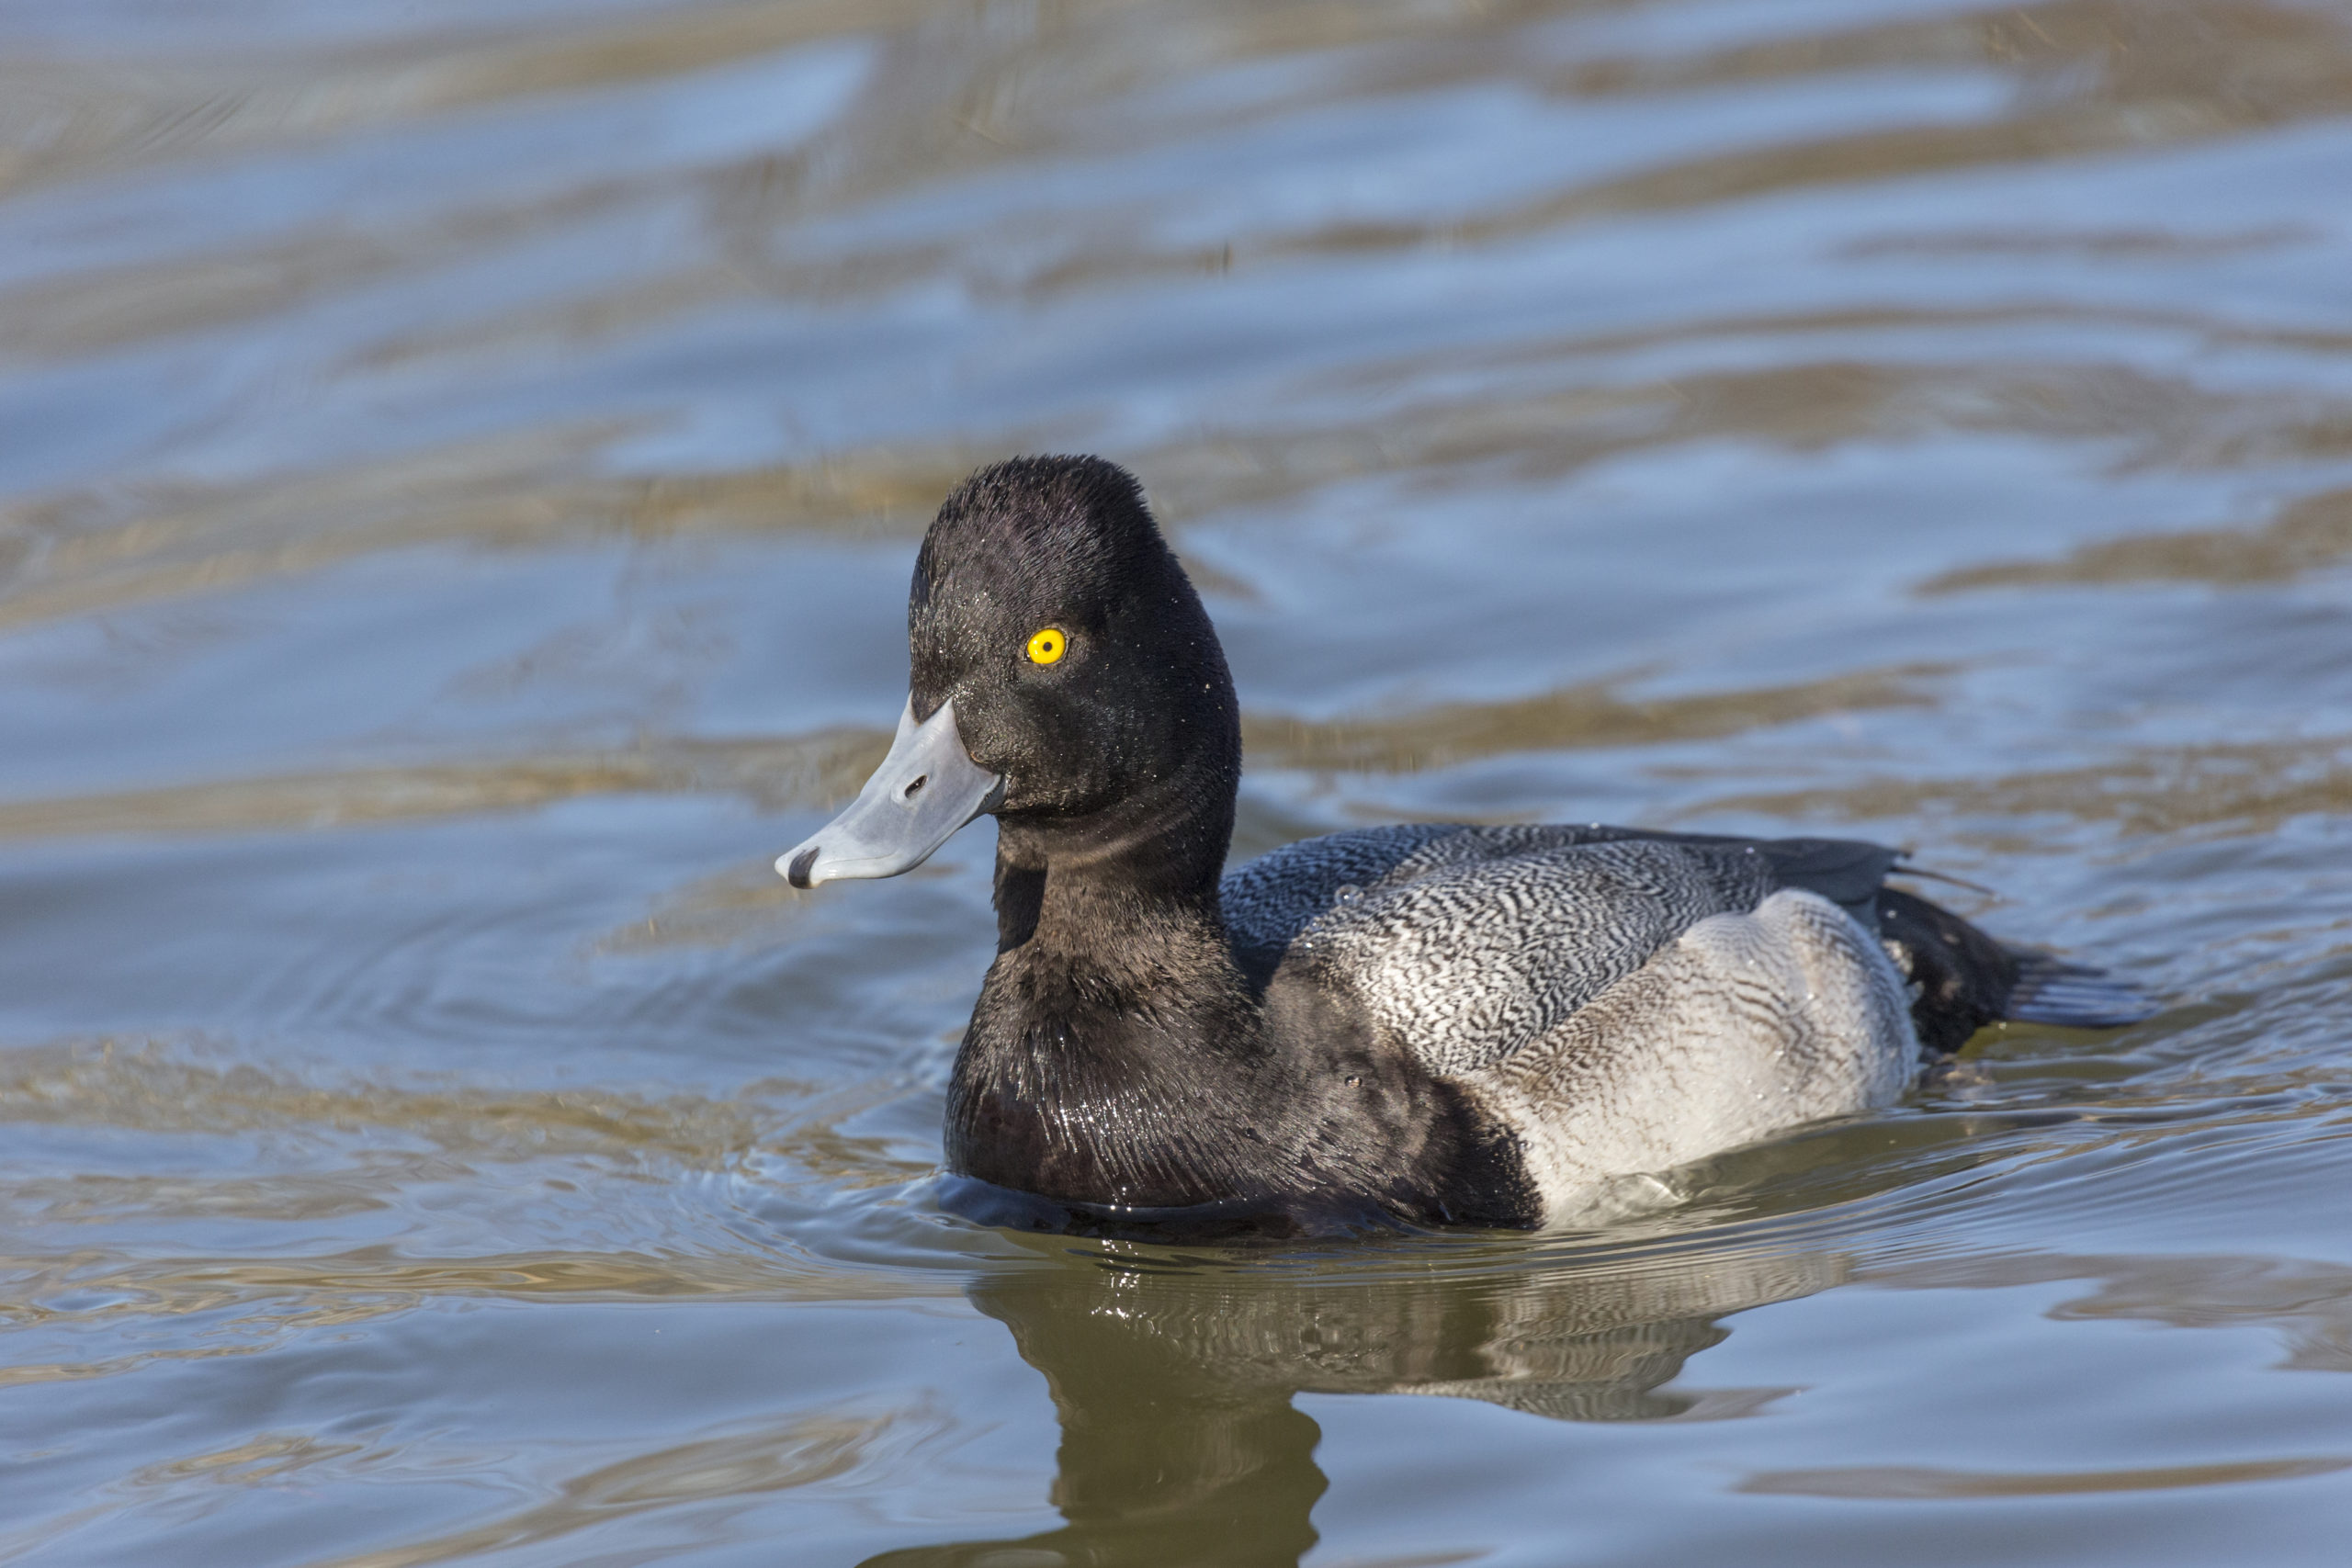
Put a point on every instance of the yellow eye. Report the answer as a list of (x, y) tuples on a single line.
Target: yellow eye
[(1046, 646)]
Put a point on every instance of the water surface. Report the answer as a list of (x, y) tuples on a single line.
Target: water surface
[(459, 465)]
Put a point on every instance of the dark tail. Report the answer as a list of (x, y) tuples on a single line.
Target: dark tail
[(1963, 980), (2051, 990)]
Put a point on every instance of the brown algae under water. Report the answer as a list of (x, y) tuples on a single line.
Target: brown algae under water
[(459, 470)]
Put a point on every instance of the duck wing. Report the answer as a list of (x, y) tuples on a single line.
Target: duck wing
[(1467, 942)]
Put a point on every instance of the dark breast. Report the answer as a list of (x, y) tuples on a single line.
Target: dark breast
[(1115, 1106)]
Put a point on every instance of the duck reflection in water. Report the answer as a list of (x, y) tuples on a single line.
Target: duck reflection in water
[(1173, 1379)]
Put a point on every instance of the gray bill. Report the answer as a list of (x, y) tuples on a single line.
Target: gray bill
[(925, 789)]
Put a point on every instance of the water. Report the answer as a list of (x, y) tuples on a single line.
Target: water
[(461, 467)]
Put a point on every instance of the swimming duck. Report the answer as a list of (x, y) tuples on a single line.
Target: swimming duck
[(1430, 1024)]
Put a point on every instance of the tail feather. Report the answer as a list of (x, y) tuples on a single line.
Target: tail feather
[(1961, 979), (2072, 995)]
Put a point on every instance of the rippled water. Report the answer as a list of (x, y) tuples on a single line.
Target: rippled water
[(462, 462)]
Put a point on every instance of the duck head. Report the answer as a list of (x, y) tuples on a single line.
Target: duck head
[(1064, 677)]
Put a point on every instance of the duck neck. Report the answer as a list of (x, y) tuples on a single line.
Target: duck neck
[(1065, 888)]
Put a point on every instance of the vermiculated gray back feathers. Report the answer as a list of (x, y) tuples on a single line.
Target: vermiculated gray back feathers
[(1467, 942), (1269, 900)]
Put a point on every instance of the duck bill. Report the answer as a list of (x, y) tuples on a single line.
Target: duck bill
[(925, 789)]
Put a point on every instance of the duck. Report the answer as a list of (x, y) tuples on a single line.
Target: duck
[(1426, 1025)]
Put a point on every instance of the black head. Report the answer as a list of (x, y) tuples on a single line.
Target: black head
[(1082, 666)]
